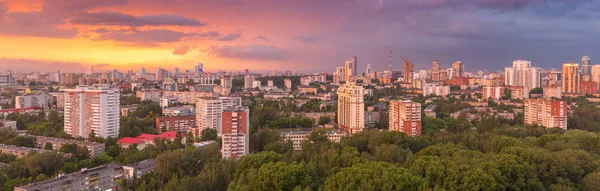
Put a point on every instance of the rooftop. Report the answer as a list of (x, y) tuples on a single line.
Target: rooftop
[(69, 177)]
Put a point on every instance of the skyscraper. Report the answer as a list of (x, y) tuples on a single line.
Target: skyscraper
[(546, 112), (405, 116), (586, 65), (570, 78), (435, 66), (459, 69), (408, 71), (92, 108), (522, 74), (354, 60), (368, 71), (236, 131), (349, 70), (351, 108), (199, 69)]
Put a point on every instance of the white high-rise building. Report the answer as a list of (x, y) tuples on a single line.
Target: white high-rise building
[(522, 74), (351, 108), (92, 108), (209, 111), (586, 62), (199, 69)]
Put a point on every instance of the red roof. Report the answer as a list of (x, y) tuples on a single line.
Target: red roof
[(147, 137), (19, 109), (169, 135), (129, 140)]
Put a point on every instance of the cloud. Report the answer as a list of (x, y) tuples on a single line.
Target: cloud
[(307, 39), (229, 37), (254, 51), (262, 38), (209, 35), (142, 37), (28, 65), (181, 50), (116, 18)]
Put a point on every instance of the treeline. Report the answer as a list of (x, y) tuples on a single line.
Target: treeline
[(504, 159)]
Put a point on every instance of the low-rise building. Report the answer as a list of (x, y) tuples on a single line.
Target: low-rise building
[(138, 169), (96, 149), (104, 177), (8, 124), (299, 136), (27, 101), (430, 111), (149, 95), (18, 151), (184, 110)]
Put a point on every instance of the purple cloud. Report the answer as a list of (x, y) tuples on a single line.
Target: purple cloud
[(229, 37), (142, 37), (254, 51), (181, 50), (116, 18), (307, 39), (28, 65)]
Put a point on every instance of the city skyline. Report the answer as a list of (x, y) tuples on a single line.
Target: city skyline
[(306, 36)]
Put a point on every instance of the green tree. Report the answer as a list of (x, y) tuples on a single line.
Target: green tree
[(48, 146), (373, 176)]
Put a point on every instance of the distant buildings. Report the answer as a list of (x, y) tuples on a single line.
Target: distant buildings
[(429, 89), (351, 108), (459, 69), (405, 116), (92, 108), (586, 62), (547, 113), (288, 83), (552, 91), (138, 169), (96, 149), (570, 78), (235, 133), (249, 82), (149, 95), (18, 151), (492, 93), (39, 100), (522, 74)]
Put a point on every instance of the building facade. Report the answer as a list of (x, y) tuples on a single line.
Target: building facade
[(40, 100), (570, 78), (235, 134), (405, 116), (351, 108), (492, 93), (546, 112), (92, 108)]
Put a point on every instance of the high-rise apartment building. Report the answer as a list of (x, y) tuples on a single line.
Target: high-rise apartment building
[(248, 81), (368, 71), (409, 68), (522, 74), (405, 116), (209, 111), (546, 112), (199, 69), (552, 92), (595, 74), (161, 74), (354, 60), (92, 108), (438, 90), (338, 75), (349, 69), (459, 69), (351, 108), (586, 65), (570, 78), (235, 134)]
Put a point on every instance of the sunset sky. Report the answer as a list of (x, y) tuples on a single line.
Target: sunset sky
[(300, 35)]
